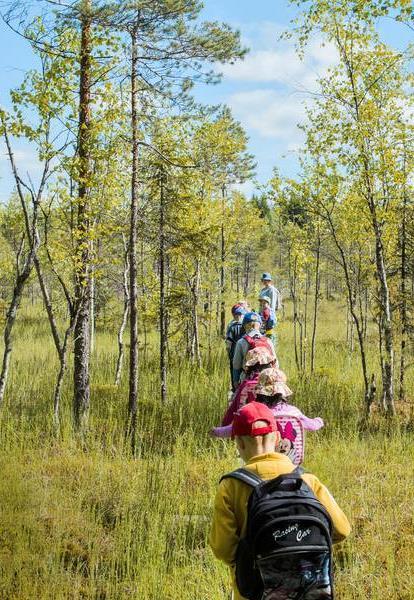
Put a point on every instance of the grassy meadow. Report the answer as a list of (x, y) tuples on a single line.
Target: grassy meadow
[(85, 520)]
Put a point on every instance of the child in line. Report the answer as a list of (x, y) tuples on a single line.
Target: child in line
[(234, 332), (244, 304), (256, 435), (271, 389), (251, 340), (268, 317), (256, 360)]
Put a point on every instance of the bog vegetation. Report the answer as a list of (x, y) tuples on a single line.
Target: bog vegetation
[(118, 268)]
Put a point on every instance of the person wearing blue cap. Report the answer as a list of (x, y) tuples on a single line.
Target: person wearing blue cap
[(233, 334), (271, 293), (251, 339)]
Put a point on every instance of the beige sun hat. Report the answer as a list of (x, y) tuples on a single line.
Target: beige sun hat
[(259, 356), (272, 381)]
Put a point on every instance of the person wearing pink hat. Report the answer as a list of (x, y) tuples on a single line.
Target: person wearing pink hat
[(256, 435)]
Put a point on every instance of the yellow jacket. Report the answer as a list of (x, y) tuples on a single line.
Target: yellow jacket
[(230, 507)]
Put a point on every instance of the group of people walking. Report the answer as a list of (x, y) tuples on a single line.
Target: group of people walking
[(273, 524)]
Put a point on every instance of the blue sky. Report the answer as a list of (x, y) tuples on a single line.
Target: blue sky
[(267, 91)]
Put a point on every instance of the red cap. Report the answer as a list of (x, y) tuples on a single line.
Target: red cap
[(246, 417)]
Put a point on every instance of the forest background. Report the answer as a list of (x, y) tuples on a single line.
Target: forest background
[(119, 264)]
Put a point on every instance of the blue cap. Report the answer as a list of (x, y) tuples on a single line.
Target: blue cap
[(266, 277), (251, 317), (237, 309)]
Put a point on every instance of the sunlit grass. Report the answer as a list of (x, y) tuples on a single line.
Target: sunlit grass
[(88, 521)]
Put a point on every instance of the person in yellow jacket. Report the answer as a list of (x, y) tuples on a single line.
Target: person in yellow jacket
[(256, 435)]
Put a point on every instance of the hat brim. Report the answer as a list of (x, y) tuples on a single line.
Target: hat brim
[(271, 390), (270, 428)]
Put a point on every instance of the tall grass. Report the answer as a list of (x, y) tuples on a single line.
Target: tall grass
[(85, 520)]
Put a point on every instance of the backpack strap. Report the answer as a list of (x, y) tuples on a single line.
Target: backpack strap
[(253, 479), (249, 340), (244, 475)]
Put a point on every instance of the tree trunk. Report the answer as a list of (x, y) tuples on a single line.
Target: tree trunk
[(32, 234), (22, 275), (351, 334), (120, 360), (144, 301), (92, 309), (365, 312), (133, 309), (210, 321), (385, 305), (352, 309), (21, 280), (316, 302), (194, 286), (382, 362), (81, 398), (388, 371), (222, 267), (403, 302), (246, 274), (295, 309), (305, 321), (62, 369), (61, 347), (162, 313), (195, 306)]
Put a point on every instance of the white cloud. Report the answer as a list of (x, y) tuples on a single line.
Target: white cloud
[(27, 165), (270, 113), (264, 66), (262, 34), (259, 34), (274, 84), (25, 158), (247, 188), (280, 63)]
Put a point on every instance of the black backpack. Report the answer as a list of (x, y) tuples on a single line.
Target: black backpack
[(287, 550)]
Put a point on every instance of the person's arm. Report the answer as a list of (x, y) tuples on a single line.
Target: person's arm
[(238, 355), (279, 300), (272, 297), (224, 536), (222, 431), (232, 408), (238, 360), (341, 526), (312, 424), (236, 376), (270, 321), (308, 423)]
